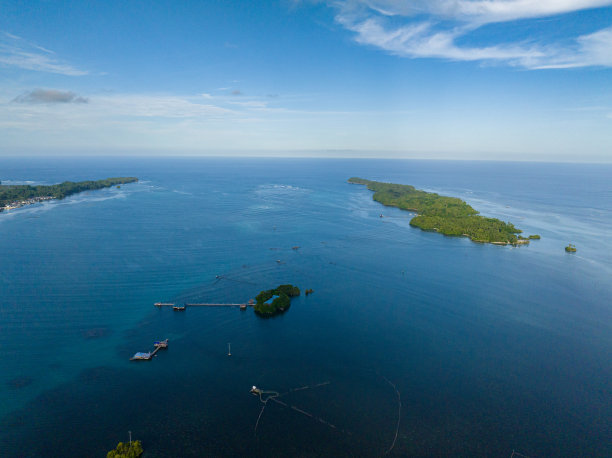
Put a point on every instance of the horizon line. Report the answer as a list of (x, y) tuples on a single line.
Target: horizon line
[(165, 155)]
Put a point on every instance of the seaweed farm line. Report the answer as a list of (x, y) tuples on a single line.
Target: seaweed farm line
[(265, 396)]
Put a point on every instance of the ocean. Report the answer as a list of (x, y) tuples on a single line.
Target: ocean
[(412, 343)]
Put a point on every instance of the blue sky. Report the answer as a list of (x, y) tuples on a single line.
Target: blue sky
[(460, 79)]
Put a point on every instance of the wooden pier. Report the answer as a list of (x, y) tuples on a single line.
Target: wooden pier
[(141, 356), (203, 304), (214, 305)]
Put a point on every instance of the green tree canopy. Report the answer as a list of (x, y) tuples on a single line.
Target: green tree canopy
[(124, 450), (17, 193), (447, 215), (279, 305)]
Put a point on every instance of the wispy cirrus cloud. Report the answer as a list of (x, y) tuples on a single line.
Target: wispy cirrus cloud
[(158, 106), (20, 53), (478, 11), (33, 110), (434, 29)]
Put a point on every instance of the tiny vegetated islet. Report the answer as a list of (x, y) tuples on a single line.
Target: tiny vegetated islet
[(446, 215), (282, 295), (126, 450)]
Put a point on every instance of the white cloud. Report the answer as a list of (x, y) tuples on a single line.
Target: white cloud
[(17, 52), (480, 11), (44, 110), (598, 46), (49, 96), (432, 28), (151, 106), (254, 104)]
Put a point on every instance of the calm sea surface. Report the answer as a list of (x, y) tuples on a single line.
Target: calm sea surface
[(489, 349)]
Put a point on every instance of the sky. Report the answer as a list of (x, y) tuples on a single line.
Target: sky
[(440, 79)]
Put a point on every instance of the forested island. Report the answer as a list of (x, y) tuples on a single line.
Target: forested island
[(447, 215), (125, 450), (275, 301), (14, 196)]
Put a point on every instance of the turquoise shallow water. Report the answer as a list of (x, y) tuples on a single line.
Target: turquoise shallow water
[(490, 348)]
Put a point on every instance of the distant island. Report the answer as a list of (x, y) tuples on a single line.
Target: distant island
[(15, 196), (447, 215), (275, 301)]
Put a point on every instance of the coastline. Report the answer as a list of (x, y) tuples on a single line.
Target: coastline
[(16, 196), (23, 203), (446, 215)]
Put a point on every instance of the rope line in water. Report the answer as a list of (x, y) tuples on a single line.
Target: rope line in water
[(260, 413), (298, 389), (399, 414), (306, 387), (223, 277), (301, 411), (273, 395), (297, 409), (280, 402)]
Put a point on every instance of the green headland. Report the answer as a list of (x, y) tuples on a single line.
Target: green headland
[(447, 215), (275, 301), (14, 196)]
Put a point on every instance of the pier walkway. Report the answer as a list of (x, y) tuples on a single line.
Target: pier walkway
[(201, 304), (144, 356)]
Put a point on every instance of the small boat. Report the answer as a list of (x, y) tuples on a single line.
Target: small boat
[(161, 343), (179, 307), (242, 306), (256, 391)]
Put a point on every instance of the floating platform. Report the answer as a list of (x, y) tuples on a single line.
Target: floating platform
[(141, 356), (161, 344), (147, 355)]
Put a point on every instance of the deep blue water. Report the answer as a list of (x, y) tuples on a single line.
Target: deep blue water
[(492, 349)]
